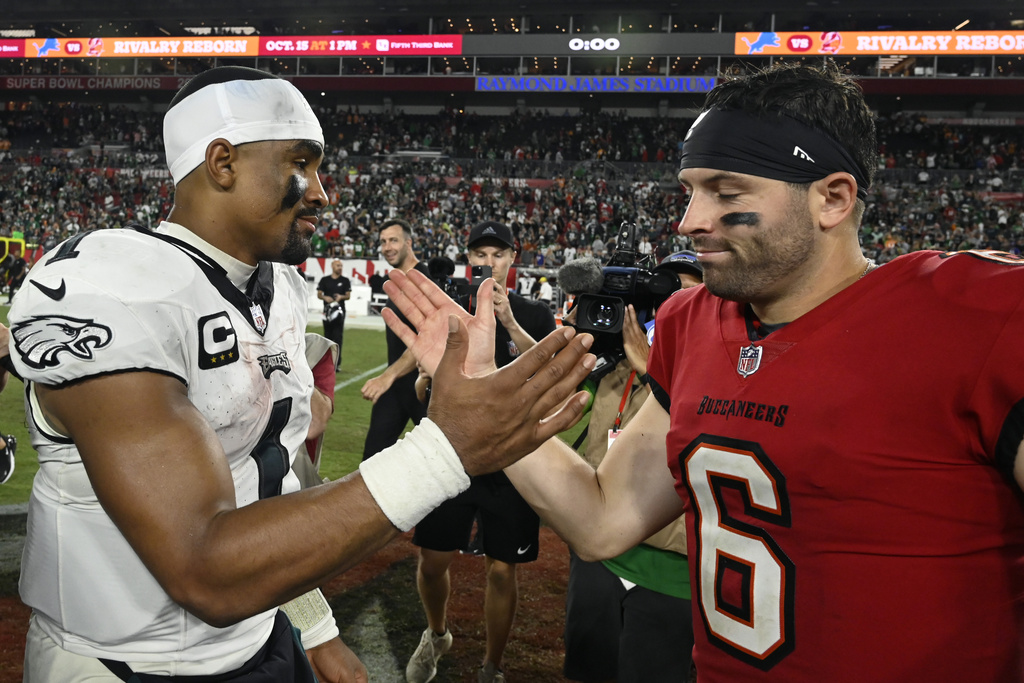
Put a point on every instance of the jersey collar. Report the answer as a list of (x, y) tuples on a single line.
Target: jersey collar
[(253, 302), (237, 271)]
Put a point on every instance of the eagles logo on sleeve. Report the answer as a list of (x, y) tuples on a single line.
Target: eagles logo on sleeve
[(41, 340)]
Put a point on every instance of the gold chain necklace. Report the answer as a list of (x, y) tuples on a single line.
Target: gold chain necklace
[(868, 267)]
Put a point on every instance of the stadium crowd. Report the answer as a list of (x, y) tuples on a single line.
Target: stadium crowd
[(75, 167), (907, 140)]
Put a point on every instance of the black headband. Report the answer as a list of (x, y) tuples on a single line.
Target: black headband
[(770, 146)]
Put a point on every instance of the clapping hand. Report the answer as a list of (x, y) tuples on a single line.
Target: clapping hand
[(491, 417), (427, 308)]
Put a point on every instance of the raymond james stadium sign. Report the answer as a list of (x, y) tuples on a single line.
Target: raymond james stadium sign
[(631, 84)]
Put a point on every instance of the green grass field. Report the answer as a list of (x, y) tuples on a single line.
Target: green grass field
[(343, 445)]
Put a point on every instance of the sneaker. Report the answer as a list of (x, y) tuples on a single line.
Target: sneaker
[(489, 673), (422, 665), (7, 459)]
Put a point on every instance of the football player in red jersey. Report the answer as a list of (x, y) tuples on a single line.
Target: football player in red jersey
[(846, 449)]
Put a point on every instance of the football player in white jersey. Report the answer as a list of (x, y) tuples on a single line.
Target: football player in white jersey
[(169, 394)]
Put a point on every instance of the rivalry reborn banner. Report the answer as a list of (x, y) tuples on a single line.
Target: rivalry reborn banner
[(764, 43), (881, 43), (233, 46)]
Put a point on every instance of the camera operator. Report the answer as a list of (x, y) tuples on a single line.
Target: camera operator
[(509, 528), (334, 290), (628, 618)]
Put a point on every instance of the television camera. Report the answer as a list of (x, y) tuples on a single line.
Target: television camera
[(602, 293)]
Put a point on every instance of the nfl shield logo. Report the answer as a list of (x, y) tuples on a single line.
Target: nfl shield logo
[(258, 319), (750, 360)]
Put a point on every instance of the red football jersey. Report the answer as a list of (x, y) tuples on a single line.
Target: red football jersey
[(850, 509)]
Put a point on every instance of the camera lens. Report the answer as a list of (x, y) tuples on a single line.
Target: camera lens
[(596, 313), (603, 315)]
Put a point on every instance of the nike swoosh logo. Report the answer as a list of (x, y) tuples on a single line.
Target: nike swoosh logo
[(522, 551), (55, 294)]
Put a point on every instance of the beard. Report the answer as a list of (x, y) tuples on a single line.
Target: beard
[(296, 247), (771, 253)]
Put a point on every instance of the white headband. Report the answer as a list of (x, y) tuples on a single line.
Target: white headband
[(239, 111)]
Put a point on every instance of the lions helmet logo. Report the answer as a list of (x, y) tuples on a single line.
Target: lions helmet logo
[(41, 340), (831, 42)]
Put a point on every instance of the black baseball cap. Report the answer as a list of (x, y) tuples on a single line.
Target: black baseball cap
[(682, 262), (491, 230)]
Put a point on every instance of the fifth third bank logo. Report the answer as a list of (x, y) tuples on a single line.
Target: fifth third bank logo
[(383, 45)]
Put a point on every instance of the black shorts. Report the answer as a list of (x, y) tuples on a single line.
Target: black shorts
[(509, 528)]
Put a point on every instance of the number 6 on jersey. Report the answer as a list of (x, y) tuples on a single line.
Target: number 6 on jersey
[(745, 582)]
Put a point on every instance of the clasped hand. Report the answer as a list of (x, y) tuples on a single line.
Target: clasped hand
[(492, 417)]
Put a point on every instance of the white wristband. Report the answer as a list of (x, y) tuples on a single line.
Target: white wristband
[(414, 476), (311, 614)]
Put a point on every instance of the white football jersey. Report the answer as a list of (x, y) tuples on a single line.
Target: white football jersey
[(131, 300)]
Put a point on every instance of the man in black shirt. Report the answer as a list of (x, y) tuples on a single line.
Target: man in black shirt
[(393, 392), (334, 290)]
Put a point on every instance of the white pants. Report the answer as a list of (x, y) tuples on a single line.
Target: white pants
[(47, 662)]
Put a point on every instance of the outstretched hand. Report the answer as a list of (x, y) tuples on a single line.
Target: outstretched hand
[(493, 420), (491, 417), (427, 309)]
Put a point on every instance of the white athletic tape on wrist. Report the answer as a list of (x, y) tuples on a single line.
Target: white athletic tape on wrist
[(414, 476), (311, 614)]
